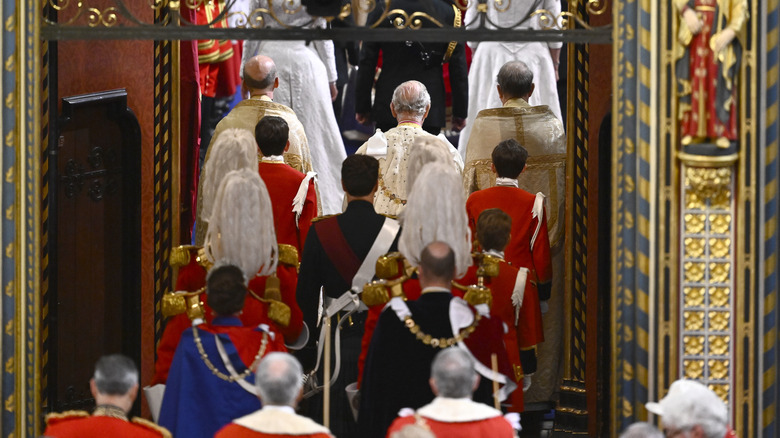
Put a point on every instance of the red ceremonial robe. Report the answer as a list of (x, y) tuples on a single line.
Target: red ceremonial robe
[(283, 182), (273, 422), (527, 248), (457, 418), (79, 424), (519, 339), (193, 277)]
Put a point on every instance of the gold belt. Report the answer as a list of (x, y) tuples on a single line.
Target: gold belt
[(705, 8)]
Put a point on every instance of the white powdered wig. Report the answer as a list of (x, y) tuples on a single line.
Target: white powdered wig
[(436, 211), (241, 228), (234, 149), (425, 149)]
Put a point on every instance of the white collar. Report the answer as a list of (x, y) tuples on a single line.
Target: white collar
[(457, 410), (277, 420), (273, 159), (506, 182), (435, 289), (288, 409), (495, 253)]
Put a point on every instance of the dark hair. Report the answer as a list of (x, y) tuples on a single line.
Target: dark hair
[(442, 268), (226, 289), (509, 158), (493, 227), (271, 134), (115, 374), (359, 174), (515, 79), (260, 84)]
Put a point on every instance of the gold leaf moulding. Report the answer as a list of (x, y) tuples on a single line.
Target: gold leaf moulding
[(719, 344), (721, 390), (694, 223), (719, 320), (694, 296), (720, 272), (694, 271), (694, 247), (694, 345), (719, 296), (720, 247), (693, 320), (719, 368), (720, 223), (694, 369)]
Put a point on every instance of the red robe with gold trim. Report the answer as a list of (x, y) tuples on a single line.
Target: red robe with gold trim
[(78, 424), (520, 338), (457, 418), (283, 182), (520, 251), (273, 422), (193, 277)]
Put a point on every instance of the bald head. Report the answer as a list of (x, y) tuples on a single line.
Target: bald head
[(437, 265), (410, 100), (515, 80), (260, 74)]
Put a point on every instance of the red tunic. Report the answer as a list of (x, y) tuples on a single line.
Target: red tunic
[(75, 424), (518, 204), (491, 428), (518, 337), (193, 277), (283, 182)]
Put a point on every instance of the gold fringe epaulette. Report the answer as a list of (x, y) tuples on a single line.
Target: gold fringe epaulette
[(478, 294), (203, 260), (387, 265), (288, 255), (67, 415), (322, 218), (278, 311), (375, 293), (152, 426), (176, 303), (180, 256)]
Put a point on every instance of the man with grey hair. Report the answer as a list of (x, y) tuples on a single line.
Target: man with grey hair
[(410, 106), (278, 382), (115, 387), (692, 410), (452, 413)]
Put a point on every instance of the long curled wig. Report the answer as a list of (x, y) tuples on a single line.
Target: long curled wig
[(241, 228), (436, 211)]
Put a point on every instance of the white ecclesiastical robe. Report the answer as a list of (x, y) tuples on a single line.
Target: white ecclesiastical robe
[(390, 197), (490, 56)]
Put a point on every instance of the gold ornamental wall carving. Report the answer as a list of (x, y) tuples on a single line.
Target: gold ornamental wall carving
[(707, 302)]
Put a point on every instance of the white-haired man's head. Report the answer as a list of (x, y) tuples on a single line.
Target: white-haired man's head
[(233, 149), (241, 228), (436, 211), (411, 101), (453, 374), (115, 381), (690, 409), (279, 379)]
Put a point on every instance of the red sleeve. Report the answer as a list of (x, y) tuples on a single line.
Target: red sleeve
[(167, 347), (399, 424), (191, 276), (256, 312), (529, 327), (368, 331), (473, 215), (309, 212)]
